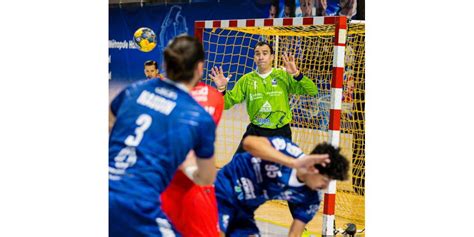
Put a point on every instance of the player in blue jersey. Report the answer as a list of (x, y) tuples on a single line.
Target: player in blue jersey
[(274, 169), (157, 124)]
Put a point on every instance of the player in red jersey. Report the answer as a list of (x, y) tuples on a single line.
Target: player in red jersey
[(192, 208)]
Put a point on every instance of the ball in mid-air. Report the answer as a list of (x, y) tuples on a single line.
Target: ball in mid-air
[(145, 39)]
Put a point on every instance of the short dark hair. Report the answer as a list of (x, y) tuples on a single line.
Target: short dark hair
[(292, 6), (338, 167), (276, 4), (262, 43), (181, 58), (151, 63)]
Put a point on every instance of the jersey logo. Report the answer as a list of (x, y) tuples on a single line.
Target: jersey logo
[(274, 82), (266, 107), (255, 96), (275, 93), (293, 150), (263, 121), (312, 209), (279, 143), (248, 188)]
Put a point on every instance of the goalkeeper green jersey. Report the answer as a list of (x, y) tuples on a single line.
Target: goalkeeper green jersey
[(267, 99)]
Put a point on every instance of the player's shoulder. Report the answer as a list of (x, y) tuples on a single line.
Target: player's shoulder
[(131, 90), (191, 110), (143, 84), (240, 157), (279, 71), (249, 76), (139, 86), (280, 74)]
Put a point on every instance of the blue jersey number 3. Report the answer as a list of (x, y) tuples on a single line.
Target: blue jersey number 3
[(127, 155)]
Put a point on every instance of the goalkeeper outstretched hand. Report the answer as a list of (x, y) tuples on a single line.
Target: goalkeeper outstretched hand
[(217, 75), (290, 65)]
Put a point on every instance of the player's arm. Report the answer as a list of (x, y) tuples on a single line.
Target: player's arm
[(206, 171), (302, 85), (296, 228), (201, 171), (201, 167), (262, 148), (232, 97), (217, 75), (299, 83), (302, 213), (111, 120), (236, 95)]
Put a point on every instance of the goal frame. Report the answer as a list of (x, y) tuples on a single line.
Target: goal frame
[(339, 44)]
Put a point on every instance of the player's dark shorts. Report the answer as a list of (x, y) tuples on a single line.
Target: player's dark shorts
[(252, 129), (234, 220), (129, 217)]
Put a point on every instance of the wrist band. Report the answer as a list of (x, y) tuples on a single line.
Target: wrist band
[(299, 77), (222, 88), (189, 171)]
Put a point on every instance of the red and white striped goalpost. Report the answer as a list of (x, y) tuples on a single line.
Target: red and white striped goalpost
[(340, 23), (335, 118)]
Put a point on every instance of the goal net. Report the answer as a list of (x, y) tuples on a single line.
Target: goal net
[(230, 43)]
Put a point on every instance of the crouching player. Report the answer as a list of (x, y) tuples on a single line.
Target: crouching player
[(274, 169), (190, 207)]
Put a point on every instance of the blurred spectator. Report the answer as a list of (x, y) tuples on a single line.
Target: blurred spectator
[(274, 9), (306, 7), (290, 7), (360, 15), (321, 6), (288, 10), (346, 8)]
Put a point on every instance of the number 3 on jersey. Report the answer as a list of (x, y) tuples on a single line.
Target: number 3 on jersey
[(143, 122), (127, 156)]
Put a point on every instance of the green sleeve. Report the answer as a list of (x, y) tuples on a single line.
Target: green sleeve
[(303, 87), (236, 95)]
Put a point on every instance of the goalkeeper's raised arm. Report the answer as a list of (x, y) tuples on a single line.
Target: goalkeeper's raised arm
[(266, 92)]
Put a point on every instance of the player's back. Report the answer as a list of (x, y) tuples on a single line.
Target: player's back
[(156, 125)]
